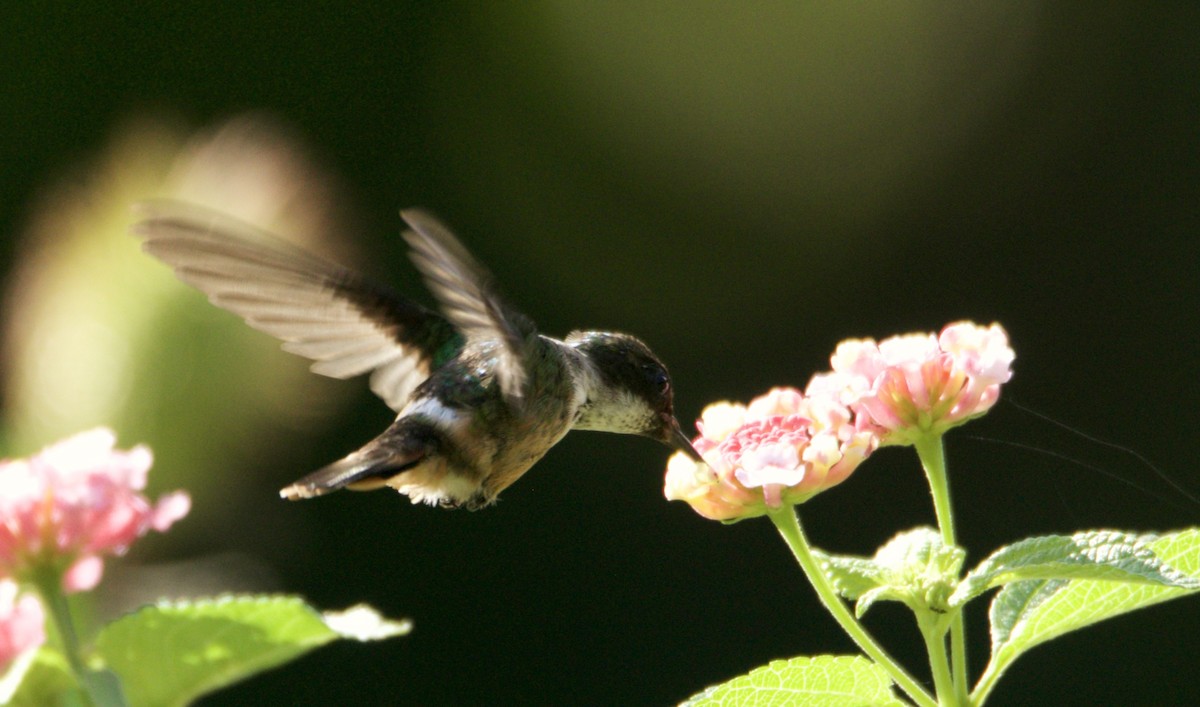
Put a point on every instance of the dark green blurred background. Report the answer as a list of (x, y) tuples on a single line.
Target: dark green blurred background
[(742, 185)]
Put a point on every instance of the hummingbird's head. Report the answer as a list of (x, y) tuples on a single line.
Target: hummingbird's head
[(628, 389)]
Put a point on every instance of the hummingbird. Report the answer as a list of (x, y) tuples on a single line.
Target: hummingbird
[(479, 394)]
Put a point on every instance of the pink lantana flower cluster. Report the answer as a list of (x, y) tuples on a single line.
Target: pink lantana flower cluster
[(786, 446), (915, 385), (781, 449), (75, 502)]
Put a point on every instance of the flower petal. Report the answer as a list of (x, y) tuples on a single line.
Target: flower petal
[(84, 575), (22, 623), (170, 508)]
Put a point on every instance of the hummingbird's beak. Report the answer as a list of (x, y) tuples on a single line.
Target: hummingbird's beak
[(673, 436)]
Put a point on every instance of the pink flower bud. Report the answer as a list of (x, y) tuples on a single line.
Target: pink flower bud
[(76, 501)]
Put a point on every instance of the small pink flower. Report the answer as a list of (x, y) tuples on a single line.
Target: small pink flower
[(918, 384), (782, 448), (22, 623), (982, 353), (717, 422), (76, 501), (765, 454), (703, 489), (776, 401)]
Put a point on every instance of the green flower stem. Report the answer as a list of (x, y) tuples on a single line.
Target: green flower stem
[(48, 582), (932, 453), (939, 664), (788, 523), (933, 459), (96, 688), (958, 649)]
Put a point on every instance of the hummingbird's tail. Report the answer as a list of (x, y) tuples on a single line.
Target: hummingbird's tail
[(364, 470)]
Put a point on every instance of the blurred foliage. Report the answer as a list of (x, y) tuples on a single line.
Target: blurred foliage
[(742, 185), (99, 334)]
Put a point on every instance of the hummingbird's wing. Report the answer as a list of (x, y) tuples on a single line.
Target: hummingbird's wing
[(346, 323), (469, 300)]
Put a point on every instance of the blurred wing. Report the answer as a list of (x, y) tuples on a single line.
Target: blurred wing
[(468, 299), (346, 323)]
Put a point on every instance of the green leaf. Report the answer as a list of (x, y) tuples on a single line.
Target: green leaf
[(171, 653), (821, 681), (914, 567), (1098, 555), (39, 678), (1028, 613), (868, 599), (851, 576), (103, 688)]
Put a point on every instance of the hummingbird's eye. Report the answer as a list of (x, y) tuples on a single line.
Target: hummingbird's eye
[(662, 382)]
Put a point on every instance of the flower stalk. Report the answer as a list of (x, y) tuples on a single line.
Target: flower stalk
[(933, 459), (47, 580), (932, 453), (934, 634), (787, 521), (96, 688)]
